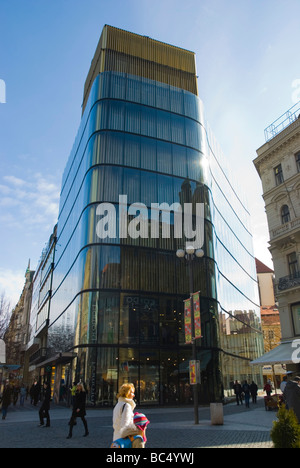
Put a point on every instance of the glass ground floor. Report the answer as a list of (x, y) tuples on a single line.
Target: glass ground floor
[(161, 376)]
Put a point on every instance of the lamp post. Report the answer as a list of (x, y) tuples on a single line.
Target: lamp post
[(189, 254)]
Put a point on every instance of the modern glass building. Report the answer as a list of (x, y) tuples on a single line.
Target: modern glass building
[(117, 301)]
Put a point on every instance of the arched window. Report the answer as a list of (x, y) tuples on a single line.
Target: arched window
[(285, 214)]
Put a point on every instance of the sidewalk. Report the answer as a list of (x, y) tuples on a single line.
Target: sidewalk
[(169, 428), (243, 428)]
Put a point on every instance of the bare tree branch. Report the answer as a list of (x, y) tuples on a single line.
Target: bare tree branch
[(5, 314)]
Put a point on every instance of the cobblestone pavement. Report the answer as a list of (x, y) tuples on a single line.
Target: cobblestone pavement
[(169, 428)]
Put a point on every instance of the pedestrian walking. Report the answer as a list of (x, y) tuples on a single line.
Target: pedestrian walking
[(44, 410), (283, 383), (268, 388), (35, 393), (282, 388), (292, 396), (79, 410), (238, 392), (15, 393), (6, 400), (246, 391), (73, 393), (23, 393), (123, 412), (254, 391)]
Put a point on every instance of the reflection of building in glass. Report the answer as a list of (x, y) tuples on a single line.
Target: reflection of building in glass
[(143, 135), (12, 348), (36, 340)]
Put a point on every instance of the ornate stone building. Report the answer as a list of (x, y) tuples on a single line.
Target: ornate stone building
[(278, 165)]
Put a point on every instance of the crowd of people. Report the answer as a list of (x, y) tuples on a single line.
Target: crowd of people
[(42, 393), (290, 393), (129, 426), (11, 395), (244, 391)]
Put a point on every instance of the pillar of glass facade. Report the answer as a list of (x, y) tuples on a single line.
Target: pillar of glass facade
[(117, 300)]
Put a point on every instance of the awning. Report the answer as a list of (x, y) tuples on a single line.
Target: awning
[(285, 353), (10, 367), (61, 358)]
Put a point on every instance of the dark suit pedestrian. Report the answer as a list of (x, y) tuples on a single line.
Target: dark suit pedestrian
[(35, 393), (6, 400), (44, 410), (238, 392), (79, 410), (254, 391), (292, 396)]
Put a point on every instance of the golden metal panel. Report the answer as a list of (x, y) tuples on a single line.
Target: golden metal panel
[(126, 52), (149, 49)]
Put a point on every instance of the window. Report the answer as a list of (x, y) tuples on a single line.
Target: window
[(293, 264), (297, 156), (278, 175), (271, 334), (296, 318), (285, 214)]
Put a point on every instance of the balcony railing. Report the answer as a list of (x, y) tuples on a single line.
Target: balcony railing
[(290, 281), (285, 228)]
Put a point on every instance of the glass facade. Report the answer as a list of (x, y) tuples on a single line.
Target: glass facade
[(118, 301)]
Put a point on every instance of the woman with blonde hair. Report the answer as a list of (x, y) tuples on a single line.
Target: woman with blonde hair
[(123, 412)]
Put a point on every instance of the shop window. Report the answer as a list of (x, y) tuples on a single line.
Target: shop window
[(296, 318)]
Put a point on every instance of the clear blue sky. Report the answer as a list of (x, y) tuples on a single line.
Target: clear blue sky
[(247, 61)]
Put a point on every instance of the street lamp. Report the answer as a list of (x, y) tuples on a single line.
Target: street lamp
[(190, 250), (189, 254)]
